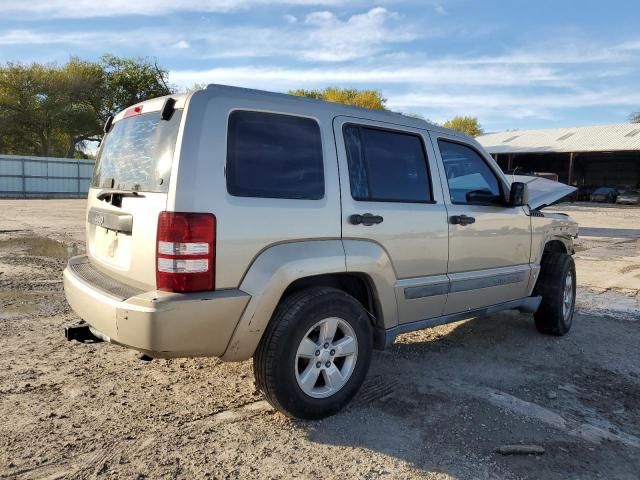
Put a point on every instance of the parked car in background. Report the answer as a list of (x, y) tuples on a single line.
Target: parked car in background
[(604, 195), (583, 194), (629, 197)]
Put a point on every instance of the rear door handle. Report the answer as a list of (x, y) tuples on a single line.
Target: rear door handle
[(461, 220), (366, 219)]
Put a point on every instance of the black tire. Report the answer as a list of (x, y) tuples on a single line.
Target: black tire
[(274, 363), (550, 318)]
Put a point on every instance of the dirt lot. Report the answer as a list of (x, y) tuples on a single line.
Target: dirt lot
[(435, 405)]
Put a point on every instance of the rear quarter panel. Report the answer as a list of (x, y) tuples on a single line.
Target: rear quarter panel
[(247, 226)]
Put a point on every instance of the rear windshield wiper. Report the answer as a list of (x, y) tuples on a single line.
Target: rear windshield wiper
[(118, 193)]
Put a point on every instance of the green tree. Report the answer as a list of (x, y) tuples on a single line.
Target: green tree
[(51, 110), (83, 83), (371, 99), (634, 117), (36, 108), (129, 81), (468, 125)]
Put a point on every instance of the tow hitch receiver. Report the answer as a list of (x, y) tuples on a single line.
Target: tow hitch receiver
[(82, 333)]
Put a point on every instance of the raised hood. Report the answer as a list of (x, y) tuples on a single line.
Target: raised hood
[(542, 192)]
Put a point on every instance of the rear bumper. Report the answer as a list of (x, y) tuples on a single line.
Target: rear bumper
[(161, 324)]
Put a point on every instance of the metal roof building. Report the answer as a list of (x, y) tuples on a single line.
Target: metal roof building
[(606, 155)]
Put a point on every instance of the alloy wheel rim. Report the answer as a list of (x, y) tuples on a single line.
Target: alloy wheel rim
[(326, 357), (567, 299)]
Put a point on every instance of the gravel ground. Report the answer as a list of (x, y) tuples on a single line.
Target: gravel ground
[(435, 405)]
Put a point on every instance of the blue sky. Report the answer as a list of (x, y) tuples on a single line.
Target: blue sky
[(514, 64)]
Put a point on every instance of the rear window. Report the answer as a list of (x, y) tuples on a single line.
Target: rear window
[(274, 156), (137, 153)]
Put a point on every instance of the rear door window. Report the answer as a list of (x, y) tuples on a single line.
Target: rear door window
[(137, 153), (386, 166), (274, 156)]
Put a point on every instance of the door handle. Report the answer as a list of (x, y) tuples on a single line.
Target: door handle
[(366, 219), (461, 220)]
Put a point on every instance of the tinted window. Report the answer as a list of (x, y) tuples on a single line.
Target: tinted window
[(470, 179), (274, 156), (386, 166)]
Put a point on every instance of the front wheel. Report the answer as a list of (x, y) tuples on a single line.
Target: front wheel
[(315, 353), (557, 285)]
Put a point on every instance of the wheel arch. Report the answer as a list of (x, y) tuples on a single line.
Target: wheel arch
[(555, 245), (287, 268), (559, 243), (358, 285)]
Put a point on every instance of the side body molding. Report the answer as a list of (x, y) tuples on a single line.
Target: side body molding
[(266, 280)]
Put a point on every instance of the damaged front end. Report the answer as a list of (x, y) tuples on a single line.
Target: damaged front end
[(543, 192)]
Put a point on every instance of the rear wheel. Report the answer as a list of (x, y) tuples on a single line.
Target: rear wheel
[(557, 285), (315, 353)]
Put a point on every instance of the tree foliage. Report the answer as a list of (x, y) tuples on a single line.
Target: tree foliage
[(634, 117), (371, 99), (52, 110), (468, 125), (131, 80)]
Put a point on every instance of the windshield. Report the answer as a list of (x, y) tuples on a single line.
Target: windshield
[(137, 154)]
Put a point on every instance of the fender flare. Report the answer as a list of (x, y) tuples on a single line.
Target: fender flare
[(565, 239), (280, 265)]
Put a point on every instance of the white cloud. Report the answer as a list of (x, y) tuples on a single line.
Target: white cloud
[(630, 46), (440, 10), (495, 107), (322, 36), (362, 35), (113, 8), (438, 89), (420, 76), (507, 101), (32, 37), (375, 48), (321, 19), (291, 19), (182, 45)]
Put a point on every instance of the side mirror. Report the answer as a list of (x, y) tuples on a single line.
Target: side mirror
[(519, 194)]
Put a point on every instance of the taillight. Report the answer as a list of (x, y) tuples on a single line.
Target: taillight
[(185, 252)]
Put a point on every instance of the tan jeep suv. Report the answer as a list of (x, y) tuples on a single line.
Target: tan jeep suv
[(238, 223)]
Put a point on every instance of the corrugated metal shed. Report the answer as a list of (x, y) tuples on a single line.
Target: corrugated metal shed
[(44, 177), (607, 138)]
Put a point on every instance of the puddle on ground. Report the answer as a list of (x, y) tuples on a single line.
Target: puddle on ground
[(16, 303), (41, 247)]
